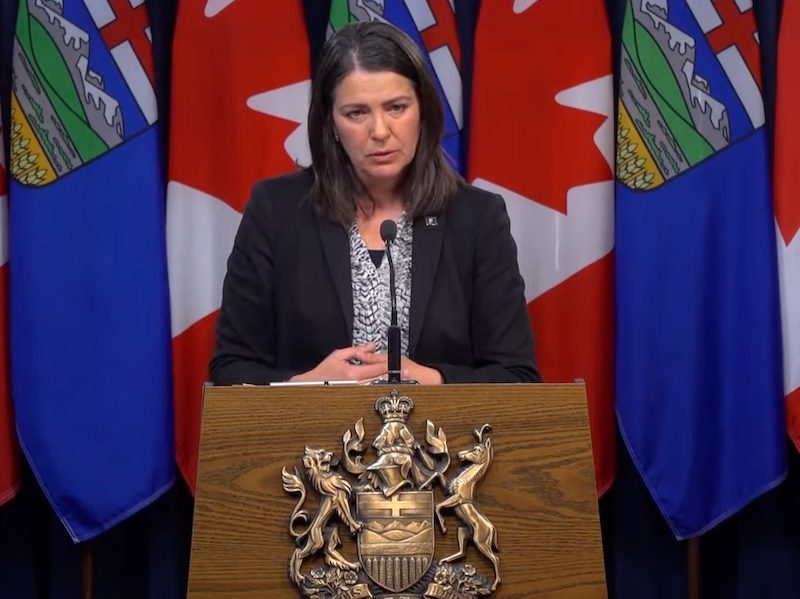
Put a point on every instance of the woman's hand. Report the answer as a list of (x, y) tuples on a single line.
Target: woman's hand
[(358, 363), (409, 369), (417, 372)]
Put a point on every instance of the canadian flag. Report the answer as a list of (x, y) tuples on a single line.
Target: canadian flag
[(239, 101), (787, 208), (9, 467), (542, 137)]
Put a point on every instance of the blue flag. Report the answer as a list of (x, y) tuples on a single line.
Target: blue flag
[(699, 382), (432, 25), (89, 314)]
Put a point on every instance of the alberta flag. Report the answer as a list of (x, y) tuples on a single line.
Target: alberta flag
[(88, 292), (432, 25), (699, 383), (9, 468)]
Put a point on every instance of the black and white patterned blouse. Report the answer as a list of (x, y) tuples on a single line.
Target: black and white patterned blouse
[(371, 299)]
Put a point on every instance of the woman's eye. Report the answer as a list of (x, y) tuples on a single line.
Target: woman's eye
[(354, 114), (397, 108)]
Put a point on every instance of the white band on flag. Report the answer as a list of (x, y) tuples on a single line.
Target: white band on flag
[(444, 63), (101, 12), (789, 270), (200, 234), (136, 77), (743, 82), (553, 246), (421, 13), (706, 14)]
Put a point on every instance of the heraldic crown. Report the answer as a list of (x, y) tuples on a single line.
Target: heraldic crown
[(394, 407)]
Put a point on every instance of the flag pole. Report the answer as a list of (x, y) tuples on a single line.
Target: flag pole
[(87, 570), (693, 568)]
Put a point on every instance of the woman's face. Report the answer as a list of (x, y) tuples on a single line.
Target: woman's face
[(377, 118)]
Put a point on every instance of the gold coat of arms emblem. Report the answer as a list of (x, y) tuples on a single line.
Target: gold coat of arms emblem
[(389, 506)]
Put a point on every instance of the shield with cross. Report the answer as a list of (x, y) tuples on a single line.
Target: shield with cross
[(396, 544)]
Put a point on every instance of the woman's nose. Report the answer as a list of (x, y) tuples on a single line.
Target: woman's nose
[(380, 128)]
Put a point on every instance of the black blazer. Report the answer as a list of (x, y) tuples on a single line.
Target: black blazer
[(287, 299)]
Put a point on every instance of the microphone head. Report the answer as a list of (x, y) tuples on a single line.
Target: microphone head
[(388, 230)]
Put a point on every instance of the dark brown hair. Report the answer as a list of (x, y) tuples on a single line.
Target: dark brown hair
[(429, 181)]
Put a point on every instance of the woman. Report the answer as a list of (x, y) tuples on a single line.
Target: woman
[(306, 294)]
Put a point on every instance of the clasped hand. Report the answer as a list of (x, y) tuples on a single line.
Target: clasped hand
[(363, 364)]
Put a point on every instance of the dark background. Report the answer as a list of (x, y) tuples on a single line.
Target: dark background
[(755, 553)]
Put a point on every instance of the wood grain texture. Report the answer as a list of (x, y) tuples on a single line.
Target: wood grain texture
[(539, 492)]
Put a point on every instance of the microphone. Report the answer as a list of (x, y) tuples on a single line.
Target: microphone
[(388, 235), (388, 230)]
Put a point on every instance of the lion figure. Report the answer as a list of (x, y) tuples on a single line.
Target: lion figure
[(334, 492)]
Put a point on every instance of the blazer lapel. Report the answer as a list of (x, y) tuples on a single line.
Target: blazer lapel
[(336, 246), (427, 247)]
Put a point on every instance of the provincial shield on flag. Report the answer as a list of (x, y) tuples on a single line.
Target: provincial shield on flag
[(66, 109), (432, 25), (675, 111), (698, 363), (89, 319)]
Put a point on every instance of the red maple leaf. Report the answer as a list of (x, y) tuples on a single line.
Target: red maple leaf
[(521, 138), (218, 144)]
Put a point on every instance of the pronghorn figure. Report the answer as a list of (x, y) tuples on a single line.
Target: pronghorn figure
[(462, 490)]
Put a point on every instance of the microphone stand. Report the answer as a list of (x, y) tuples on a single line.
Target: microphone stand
[(393, 333), (394, 377)]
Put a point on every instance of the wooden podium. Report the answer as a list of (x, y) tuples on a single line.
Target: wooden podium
[(539, 491)]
